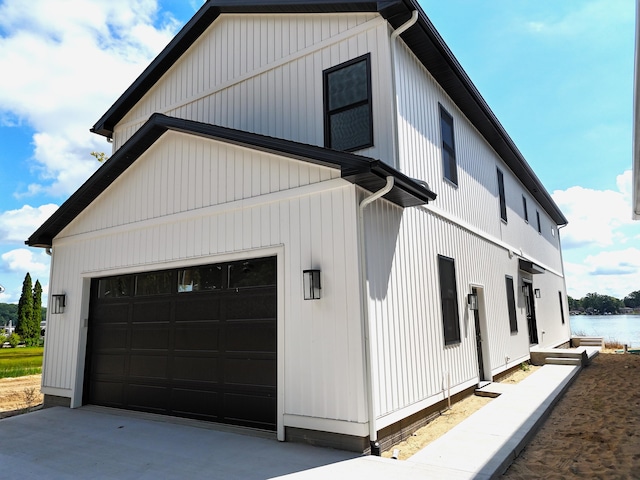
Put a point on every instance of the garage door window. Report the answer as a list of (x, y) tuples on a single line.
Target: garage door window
[(156, 283), (252, 273), (115, 287), (198, 279)]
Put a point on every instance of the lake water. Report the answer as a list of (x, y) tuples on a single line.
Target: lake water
[(624, 328)]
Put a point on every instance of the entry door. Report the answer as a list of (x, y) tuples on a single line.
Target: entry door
[(476, 317), (531, 314)]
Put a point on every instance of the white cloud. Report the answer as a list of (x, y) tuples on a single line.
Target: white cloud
[(17, 225), (64, 63), (595, 215), (24, 260)]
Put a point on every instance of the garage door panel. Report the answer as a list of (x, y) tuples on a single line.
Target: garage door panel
[(205, 405), (109, 394), (250, 410), (251, 336), (246, 305), (112, 338), (148, 366), (152, 337), (148, 397), (152, 310), (106, 313), (197, 337), (248, 371), (195, 368), (197, 307), (108, 364)]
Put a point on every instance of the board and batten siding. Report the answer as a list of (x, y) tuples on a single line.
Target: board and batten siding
[(227, 203), (263, 74), (475, 199), (412, 366)]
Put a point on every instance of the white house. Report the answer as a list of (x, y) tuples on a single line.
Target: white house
[(272, 144)]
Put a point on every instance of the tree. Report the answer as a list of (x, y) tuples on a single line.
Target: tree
[(574, 304), (632, 300), (25, 308), (37, 311)]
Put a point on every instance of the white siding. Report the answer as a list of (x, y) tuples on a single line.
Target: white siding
[(263, 74), (475, 199), (172, 208), (412, 364)]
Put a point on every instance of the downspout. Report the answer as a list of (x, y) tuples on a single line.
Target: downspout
[(364, 295), (394, 93)]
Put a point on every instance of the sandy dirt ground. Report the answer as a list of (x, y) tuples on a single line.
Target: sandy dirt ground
[(449, 419), (17, 395), (594, 430)]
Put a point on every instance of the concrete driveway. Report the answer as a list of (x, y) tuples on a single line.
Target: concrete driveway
[(96, 443)]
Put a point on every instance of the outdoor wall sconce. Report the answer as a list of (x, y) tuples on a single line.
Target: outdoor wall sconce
[(311, 284), (58, 302), (525, 288), (536, 292), (472, 301)]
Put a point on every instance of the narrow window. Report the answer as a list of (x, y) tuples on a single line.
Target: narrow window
[(511, 305), (449, 166), (538, 219), (348, 118), (525, 211), (449, 300), (503, 200), (561, 307)]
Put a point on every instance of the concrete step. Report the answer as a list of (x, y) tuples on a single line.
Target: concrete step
[(493, 390), (563, 361)]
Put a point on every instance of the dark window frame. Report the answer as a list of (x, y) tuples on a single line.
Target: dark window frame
[(329, 113), (449, 300), (501, 195), (525, 210), (511, 303), (539, 224), (449, 161), (561, 306)]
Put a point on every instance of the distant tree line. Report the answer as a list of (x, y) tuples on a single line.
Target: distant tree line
[(26, 316), (601, 304)]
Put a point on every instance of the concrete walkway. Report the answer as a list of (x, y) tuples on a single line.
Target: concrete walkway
[(91, 442), (481, 447)]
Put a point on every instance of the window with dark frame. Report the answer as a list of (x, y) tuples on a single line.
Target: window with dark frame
[(449, 165), (525, 211), (449, 300), (503, 200), (538, 219), (511, 304), (348, 117), (561, 306)]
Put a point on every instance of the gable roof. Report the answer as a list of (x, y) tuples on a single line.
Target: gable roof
[(423, 39), (366, 172)]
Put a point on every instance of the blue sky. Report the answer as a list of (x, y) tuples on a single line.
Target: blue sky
[(558, 75)]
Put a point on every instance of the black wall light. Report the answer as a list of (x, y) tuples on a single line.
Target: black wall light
[(58, 302), (311, 284)]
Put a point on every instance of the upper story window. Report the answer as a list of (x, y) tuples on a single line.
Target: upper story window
[(538, 219), (525, 212), (348, 118), (449, 300), (449, 166), (503, 200)]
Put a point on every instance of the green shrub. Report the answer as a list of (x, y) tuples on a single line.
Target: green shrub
[(3, 339), (14, 340)]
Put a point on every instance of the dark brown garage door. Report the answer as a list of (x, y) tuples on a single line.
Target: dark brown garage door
[(197, 342)]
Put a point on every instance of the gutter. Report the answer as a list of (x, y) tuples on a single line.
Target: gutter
[(364, 295)]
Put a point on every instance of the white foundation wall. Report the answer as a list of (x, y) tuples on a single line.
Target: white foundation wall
[(474, 200), (412, 368), (263, 74), (307, 224)]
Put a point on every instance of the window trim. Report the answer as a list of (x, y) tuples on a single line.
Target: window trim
[(501, 195), (450, 326), (511, 303), (445, 116), (325, 99)]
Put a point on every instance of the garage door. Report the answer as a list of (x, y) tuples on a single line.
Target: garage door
[(197, 342)]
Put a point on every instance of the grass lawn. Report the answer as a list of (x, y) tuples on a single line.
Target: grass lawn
[(18, 362)]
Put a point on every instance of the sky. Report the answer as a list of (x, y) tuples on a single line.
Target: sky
[(558, 75)]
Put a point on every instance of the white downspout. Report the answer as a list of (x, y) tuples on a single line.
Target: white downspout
[(394, 94), (364, 294)]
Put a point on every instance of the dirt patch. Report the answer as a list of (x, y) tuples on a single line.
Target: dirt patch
[(450, 418), (19, 394)]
